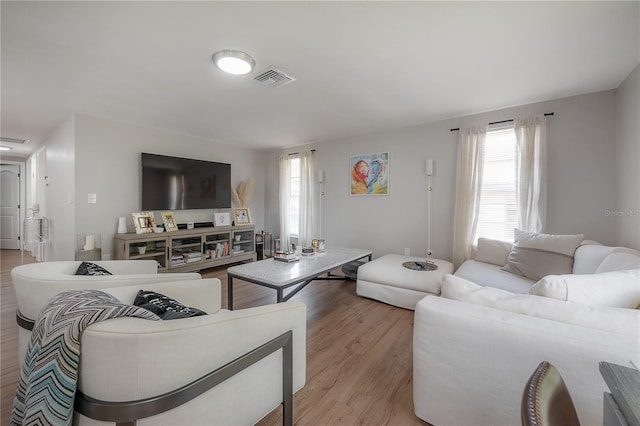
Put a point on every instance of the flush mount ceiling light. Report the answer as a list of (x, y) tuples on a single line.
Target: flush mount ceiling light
[(234, 61), (5, 148)]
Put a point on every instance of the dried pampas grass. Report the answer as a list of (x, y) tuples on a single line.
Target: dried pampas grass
[(241, 194)]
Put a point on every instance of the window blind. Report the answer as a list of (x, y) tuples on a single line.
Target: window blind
[(498, 209)]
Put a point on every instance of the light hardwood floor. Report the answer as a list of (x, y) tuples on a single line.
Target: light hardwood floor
[(359, 352)]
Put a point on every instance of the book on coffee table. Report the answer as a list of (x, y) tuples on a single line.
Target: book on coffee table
[(287, 259)]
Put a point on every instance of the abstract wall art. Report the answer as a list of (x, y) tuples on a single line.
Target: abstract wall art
[(370, 174)]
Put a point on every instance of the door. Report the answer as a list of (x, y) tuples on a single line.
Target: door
[(9, 206)]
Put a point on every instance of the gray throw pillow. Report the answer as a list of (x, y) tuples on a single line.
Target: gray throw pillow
[(536, 255)]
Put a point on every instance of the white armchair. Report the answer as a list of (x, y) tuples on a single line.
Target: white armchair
[(161, 371), (36, 283)]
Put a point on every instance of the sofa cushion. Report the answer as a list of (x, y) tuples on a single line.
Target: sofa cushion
[(486, 274), (535, 255), (619, 261), (609, 319), (615, 289), (88, 268), (491, 251)]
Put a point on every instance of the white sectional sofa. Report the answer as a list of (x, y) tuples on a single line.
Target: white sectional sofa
[(485, 268), (476, 345)]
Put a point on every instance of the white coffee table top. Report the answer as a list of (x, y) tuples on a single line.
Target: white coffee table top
[(274, 273)]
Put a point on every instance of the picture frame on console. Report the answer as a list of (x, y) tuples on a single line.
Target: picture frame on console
[(144, 222), (222, 219), (242, 216), (169, 221)]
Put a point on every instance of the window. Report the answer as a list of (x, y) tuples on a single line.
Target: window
[(294, 199), (498, 208)]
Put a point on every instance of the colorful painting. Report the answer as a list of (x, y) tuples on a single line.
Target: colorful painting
[(370, 174)]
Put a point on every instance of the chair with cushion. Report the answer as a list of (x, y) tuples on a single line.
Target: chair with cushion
[(169, 372), (36, 283), (546, 400)]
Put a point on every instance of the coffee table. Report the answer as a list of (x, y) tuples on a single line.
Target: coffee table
[(279, 275)]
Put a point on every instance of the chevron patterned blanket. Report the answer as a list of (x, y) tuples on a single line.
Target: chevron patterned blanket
[(49, 376)]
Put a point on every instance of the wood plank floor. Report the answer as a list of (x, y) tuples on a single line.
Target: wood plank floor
[(359, 352)]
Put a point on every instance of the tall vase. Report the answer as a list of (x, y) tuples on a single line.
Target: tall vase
[(122, 225)]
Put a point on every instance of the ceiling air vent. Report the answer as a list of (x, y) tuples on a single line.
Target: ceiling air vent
[(273, 78), (12, 140)]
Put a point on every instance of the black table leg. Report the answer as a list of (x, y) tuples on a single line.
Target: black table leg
[(230, 292)]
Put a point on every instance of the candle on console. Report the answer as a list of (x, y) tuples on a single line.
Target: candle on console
[(90, 242)]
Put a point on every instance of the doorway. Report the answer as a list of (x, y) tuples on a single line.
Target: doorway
[(10, 195)]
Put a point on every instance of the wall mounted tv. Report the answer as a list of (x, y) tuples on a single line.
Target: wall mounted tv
[(172, 183)]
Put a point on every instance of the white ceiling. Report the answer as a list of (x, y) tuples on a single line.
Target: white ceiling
[(361, 67)]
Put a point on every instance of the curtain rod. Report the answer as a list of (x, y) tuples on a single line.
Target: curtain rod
[(313, 151), (546, 114)]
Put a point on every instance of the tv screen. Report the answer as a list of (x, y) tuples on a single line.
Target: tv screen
[(172, 183)]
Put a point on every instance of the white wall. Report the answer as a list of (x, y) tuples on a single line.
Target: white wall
[(108, 164), (59, 190), (581, 164), (626, 213)]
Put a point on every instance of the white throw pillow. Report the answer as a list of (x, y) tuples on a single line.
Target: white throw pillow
[(615, 289), (613, 320), (535, 255), (491, 251), (619, 262)]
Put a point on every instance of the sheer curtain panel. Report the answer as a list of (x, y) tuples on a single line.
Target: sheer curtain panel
[(468, 184), (531, 188), (308, 203), (284, 195)]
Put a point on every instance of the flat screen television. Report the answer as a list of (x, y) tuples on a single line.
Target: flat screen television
[(172, 183)]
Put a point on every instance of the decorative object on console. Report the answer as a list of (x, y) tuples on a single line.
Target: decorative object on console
[(144, 222), (222, 219), (241, 195), (122, 225), (370, 174), (169, 221), (242, 216)]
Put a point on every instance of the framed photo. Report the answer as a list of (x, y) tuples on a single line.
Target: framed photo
[(169, 221), (222, 219), (144, 222), (370, 174), (241, 216)]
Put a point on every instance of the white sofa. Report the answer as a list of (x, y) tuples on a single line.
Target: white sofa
[(476, 346), (36, 283), (128, 359), (491, 255)]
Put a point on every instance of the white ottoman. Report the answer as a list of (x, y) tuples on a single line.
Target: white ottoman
[(386, 280)]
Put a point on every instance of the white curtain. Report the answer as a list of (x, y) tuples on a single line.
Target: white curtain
[(284, 195), (308, 204), (468, 185), (531, 190)]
